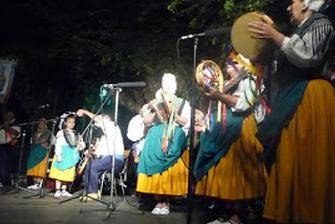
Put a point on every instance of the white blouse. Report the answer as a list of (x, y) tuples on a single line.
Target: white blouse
[(246, 99)]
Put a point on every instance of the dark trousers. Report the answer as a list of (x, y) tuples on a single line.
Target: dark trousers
[(5, 164), (95, 167)]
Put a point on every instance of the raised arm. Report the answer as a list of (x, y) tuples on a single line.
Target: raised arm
[(95, 117)]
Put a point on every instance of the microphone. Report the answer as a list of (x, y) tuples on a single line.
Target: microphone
[(44, 106), (209, 33), (125, 85)]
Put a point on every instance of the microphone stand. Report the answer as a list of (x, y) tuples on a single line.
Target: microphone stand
[(190, 195)]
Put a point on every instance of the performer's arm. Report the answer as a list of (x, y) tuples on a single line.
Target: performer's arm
[(225, 98), (58, 146), (82, 112), (149, 118), (307, 51), (245, 94)]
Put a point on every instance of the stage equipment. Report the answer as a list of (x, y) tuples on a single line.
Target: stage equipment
[(208, 33), (125, 85)]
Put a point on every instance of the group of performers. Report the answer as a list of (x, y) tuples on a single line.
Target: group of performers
[(269, 133)]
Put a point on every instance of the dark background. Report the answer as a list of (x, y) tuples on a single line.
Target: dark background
[(66, 49)]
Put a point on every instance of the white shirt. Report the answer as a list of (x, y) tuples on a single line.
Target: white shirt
[(246, 99), (111, 140), (186, 112), (61, 141)]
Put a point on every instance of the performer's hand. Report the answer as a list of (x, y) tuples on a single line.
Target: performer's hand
[(260, 30), (80, 144), (181, 120), (263, 30), (59, 158), (214, 95), (80, 112)]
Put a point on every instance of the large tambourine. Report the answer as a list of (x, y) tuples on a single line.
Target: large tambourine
[(209, 76), (242, 39)]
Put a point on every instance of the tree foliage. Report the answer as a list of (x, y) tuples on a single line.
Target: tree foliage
[(68, 49)]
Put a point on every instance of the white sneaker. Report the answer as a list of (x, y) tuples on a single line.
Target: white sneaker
[(34, 187), (58, 194), (217, 222), (65, 193), (165, 210), (156, 211)]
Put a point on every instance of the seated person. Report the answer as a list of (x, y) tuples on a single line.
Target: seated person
[(110, 144)]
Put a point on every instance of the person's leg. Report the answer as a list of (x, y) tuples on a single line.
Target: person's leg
[(58, 185), (4, 166), (94, 169), (86, 176)]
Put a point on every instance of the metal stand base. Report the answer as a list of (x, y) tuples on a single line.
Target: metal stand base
[(110, 208)]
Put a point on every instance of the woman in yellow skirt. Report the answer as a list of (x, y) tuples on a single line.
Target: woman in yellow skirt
[(299, 135), (229, 166), (163, 161), (38, 156), (63, 167)]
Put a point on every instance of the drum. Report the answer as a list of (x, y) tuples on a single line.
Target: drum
[(242, 39)]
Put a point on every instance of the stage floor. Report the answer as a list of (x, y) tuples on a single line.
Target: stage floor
[(15, 208)]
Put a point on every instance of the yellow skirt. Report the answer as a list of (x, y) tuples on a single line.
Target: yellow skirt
[(301, 185), (39, 170), (240, 174), (67, 175), (172, 182)]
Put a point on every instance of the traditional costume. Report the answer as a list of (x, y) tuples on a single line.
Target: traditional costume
[(228, 164), (299, 135), (163, 163), (38, 156)]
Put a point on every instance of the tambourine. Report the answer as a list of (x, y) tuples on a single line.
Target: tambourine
[(209, 76), (242, 39)]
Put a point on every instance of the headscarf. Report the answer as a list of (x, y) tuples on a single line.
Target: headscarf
[(317, 5), (169, 83)]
